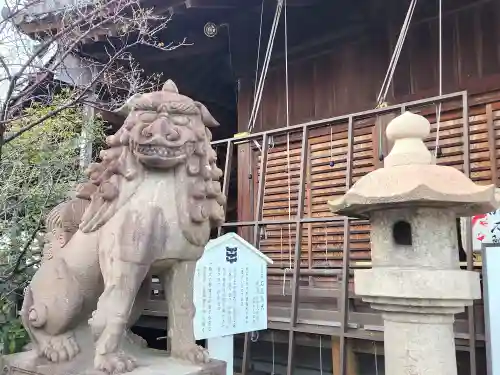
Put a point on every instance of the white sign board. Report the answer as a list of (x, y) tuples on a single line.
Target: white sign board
[(491, 296), (230, 288)]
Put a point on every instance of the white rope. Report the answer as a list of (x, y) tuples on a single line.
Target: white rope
[(281, 258), (375, 356), (254, 336), (320, 357), (272, 341), (258, 48), (284, 281), (395, 56), (327, 263), (331, 143), (286, 65), (288, 140), (440, 73), (397, 53), (265, 66)]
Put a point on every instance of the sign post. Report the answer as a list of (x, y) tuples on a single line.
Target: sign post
[(230, 294), (491, 278)]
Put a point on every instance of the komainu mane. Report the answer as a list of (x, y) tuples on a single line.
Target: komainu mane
[(148, 206)]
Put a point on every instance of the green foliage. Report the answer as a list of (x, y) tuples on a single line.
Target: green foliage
[(37, 171), (13, 337)]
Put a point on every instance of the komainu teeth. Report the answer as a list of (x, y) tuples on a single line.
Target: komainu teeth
[(150, 150)]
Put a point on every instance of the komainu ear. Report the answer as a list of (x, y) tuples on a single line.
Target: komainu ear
[(129, 105), (170, 86), (206, 116)]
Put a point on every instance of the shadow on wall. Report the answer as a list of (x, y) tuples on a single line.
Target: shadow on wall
[(369, 364)]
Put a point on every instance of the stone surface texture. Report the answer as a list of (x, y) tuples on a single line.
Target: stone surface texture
[(416, 279), (148, 206)]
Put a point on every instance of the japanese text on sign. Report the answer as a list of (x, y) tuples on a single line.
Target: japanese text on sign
[(230, 291)]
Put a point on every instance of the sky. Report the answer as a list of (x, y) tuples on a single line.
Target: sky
[(15, 49)]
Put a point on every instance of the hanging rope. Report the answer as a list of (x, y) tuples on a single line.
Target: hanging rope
[(287, 108), (440, 77), (258, 47), (395, 56), (282, 262), (320, 357), (375, 357), (386, 84), (332, 162), (265, 67), (272, 341), (254, 336), (327, 263)]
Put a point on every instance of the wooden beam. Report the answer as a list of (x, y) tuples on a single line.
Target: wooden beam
[(491, 143), (245, 206), (350, 358), (309, 213), (211, 4), (225, 4)]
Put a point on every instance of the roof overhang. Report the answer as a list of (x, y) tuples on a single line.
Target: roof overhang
[(46, 15)]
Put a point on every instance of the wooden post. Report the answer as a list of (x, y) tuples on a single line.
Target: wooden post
[(491, 144), (245, 193), (222, 348), (337, 361), (310, 255)]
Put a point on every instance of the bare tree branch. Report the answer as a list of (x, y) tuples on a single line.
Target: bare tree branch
[(122, 25)]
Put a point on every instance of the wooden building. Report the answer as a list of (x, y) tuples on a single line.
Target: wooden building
[(280, 176)]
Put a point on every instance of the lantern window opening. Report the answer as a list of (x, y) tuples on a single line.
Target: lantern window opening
[(401, 233)]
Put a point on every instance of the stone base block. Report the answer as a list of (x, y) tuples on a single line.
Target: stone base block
[(154, 364), (149, 362), (415, 348), (418, 284)]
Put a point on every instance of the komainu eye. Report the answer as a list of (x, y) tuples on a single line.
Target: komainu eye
[(180, 120), (148, 117)]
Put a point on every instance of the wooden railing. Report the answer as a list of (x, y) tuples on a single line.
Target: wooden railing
[(305, 296)]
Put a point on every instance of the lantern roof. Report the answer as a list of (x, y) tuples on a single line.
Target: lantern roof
[(410, 178)]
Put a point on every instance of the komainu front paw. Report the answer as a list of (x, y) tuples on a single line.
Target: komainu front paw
[(192, 353), (61, 348), (114, 363)]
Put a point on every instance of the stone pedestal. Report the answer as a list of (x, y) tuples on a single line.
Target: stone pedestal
[(418, 308), (429, 344), (149, 361), (156, 363)]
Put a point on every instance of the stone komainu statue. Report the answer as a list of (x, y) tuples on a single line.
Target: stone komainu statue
[(148, 206)]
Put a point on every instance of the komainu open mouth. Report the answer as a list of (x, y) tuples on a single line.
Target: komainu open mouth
[(163, 151)]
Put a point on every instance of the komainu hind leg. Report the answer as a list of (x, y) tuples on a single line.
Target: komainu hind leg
[(56, 348), (139, 304), (181, 310)]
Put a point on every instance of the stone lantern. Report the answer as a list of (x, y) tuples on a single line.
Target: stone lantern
[(416, 279)]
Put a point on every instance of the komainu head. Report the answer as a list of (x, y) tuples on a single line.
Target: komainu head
[(164, 128), (163, 131)]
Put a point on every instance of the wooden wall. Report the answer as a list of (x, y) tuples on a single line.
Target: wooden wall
[(322, 244), (347, 79), (347, 74)]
